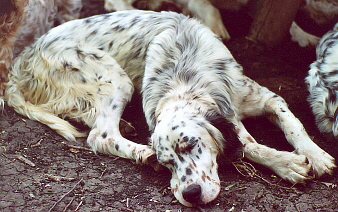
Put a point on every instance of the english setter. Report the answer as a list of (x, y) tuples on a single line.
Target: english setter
[(322, 83), (193, 90)]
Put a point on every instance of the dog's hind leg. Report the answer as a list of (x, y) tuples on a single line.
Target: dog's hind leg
[(293, 167)]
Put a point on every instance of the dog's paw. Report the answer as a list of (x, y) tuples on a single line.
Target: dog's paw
[(301, 37), (289, 166), (320, 161), (293, 168), (221, 31), (110, 143)]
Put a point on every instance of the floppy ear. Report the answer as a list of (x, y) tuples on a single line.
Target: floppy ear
[(232, 147)]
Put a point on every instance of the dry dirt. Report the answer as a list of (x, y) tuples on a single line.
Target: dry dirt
[(39, 172)]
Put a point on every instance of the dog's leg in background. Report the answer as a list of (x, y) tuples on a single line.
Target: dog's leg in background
[(209, 15), (118, 5), (105, 135), (68, 10)]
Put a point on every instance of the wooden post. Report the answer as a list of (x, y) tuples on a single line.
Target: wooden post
[(273, 20)]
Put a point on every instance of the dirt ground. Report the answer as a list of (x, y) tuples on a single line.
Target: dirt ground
[(39, 172)]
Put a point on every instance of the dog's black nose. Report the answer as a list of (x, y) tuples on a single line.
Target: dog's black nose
[(192, 193)]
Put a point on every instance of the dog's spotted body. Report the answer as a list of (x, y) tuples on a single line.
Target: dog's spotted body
[(193, 91), (322, 84)]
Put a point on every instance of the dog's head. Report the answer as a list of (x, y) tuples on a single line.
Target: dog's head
[(189, 145)]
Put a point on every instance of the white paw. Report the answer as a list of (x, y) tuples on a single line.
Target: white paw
[(287, 165), (98, 141), (115, 144), (301, 37), (292, 167), (221, 31), (321, 162)]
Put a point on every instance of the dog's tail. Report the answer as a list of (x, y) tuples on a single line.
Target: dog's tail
[(39, 112)]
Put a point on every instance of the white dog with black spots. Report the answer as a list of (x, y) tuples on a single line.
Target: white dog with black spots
[(322, 83), (194, 97)]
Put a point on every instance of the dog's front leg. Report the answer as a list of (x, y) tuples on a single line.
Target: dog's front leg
[(105, 135), (289, 166), (296, 135)]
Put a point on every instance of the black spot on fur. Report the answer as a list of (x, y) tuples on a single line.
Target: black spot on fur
[(117, 147), (96, 56), (110, 45), (91, 35), (333, 73), (180, 158), (332, 96), (104, 135), (188, 171), (174, 127), (119, 28), (134, 21), (158, 71), (83, 80), (51, 42), (114, 107), (183, 178)]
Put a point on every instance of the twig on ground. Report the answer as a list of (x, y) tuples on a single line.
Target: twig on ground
[(244, 167), (65, 209), (78, 206), (63, 196), (21, 158), (76, 147), (59, 178), (37, 143)]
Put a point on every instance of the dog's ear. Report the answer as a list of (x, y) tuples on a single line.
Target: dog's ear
[(232, 145)]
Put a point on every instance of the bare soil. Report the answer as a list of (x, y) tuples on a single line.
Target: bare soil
[(39, 171)]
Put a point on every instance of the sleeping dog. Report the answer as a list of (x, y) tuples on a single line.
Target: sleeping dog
[(193, 90)]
